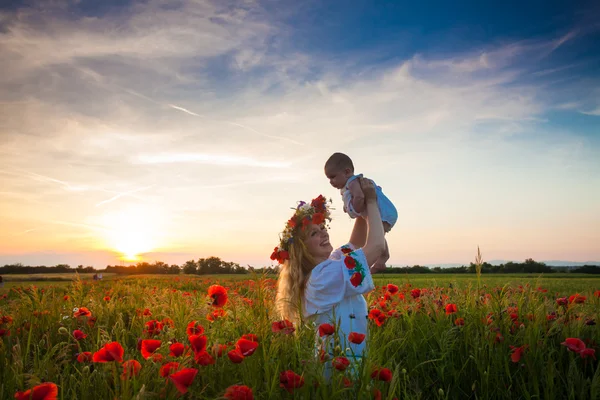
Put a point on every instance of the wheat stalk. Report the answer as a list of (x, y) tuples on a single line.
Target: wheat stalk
[(478, 265)]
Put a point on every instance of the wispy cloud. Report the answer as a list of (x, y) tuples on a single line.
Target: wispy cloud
[(212, 159), (595, 112), (160, 105)]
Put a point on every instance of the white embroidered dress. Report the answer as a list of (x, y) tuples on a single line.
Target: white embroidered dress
[(334, 295)]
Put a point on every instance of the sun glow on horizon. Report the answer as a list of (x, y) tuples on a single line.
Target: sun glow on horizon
[(132, 232)]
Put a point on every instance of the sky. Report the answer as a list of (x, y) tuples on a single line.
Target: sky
[(181, 129)]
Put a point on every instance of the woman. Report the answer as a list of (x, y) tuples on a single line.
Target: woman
[(327, 286)]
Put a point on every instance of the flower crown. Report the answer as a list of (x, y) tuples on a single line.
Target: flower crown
[(314, 213)]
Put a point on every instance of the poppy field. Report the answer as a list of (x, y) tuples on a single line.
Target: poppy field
[(154, 337)]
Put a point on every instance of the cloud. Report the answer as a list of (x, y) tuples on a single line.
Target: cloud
[(191, 109), (212, 159), (595, 112)]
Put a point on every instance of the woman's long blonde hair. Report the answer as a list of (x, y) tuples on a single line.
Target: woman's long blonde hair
[(293, 276)]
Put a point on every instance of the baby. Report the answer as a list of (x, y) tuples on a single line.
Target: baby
[(339, 169)]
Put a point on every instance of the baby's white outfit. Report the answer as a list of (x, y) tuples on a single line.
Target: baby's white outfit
[(387, 209)]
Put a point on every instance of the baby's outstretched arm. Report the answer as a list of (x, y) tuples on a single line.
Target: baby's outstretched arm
[(358, 197)]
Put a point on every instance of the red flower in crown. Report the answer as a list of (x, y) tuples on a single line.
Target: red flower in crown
[(318, 218), (305, 214)]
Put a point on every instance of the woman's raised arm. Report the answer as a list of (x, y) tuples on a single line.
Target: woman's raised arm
[(375, 243)]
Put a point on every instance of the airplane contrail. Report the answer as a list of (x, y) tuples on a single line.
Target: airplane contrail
[(121, 194), (185, 110)]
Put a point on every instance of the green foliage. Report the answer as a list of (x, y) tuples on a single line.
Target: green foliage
[(431, 353)]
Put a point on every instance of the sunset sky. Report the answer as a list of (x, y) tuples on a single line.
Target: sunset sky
[(174, 130)]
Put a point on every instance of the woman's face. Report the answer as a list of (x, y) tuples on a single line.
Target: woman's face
[(317, 242)]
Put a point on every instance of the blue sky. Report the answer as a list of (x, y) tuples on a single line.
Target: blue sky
[(184, 129)]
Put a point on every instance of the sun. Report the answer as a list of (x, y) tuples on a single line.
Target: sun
[(132, 231)]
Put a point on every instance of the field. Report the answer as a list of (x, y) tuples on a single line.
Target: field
[(438, 336)]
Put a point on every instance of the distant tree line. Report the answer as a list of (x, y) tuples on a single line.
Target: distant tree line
[(528, 266), (214, 265)]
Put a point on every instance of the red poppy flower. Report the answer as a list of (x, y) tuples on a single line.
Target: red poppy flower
[(318, 218), (183, 379), (451, 308), (340, 363), (238, 392), (218, 349), (131, 368), (91, 321), (275, 254), (292, 222), (86, 356), (356, 337), (168, 369), (197, 343), (45, 391), (597, 293), (415, 293), (393, 289), (194, 328), (350, 262), (218, 294), (107, 298), (289, 380), (326, 329), (588, 353), (574, 344), (82, 312), (153, 328), (110, 352), (306, 222), (6, 332), (382, 374), (78, 335), (149, 346), (577, 299), (250, 336), (218, 313), (168, 322), (157, 358), (176, 349), (284, 326), (246, 347), (235, 356), (204, 358), (517, 353), (562, 301), (356, 279), (459, 321)]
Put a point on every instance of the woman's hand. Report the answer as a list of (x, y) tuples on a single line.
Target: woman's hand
[(367, 188)]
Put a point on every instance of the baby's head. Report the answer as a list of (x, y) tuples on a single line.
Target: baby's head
[(339, 169)]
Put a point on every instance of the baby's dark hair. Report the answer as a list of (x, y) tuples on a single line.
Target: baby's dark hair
[(339, 161)]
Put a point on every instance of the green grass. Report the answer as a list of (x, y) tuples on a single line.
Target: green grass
[(430, 356)]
